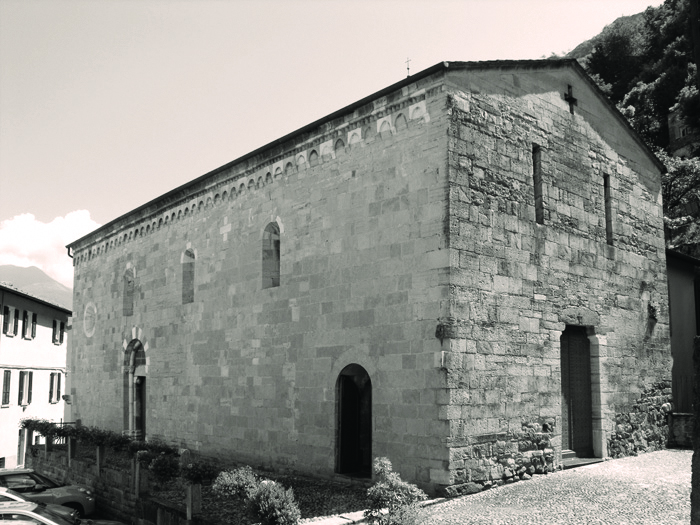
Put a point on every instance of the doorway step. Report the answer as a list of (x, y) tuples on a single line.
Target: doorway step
[(570, 460)]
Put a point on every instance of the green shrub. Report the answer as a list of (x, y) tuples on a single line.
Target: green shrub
[(43, 427), (390, 492), (273, 505), (240, 483), (136, 446), (118, 442), (198, 472), (159, 447), (164, 468), (145, 457)]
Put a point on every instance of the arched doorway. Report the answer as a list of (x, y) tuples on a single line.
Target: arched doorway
[(354, 423), (135, 389), (576, 403)]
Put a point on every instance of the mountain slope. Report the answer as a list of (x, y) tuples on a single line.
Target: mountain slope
[(35, 282), (633, 24)]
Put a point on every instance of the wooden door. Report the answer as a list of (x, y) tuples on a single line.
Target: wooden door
[(577, 406)]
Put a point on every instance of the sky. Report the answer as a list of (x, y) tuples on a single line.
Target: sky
[(105, 105)]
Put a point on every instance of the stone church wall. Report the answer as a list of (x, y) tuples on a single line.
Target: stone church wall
[(516, 285), (413, 244), (250, 373)]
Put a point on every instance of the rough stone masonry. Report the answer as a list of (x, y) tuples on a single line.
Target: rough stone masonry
[(464, 272)]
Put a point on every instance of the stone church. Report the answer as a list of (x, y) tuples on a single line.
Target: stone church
[(463, 272)]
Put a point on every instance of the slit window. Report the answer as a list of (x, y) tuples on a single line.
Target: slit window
[(188, 277), (537, 183), (271, 256), (608, 209), (128, 300)]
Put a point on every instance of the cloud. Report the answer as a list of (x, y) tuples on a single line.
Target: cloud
[(26, 241)]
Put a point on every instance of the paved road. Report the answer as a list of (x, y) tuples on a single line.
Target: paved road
[(651, 489)]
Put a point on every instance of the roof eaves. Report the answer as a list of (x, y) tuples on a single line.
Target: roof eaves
[(8, 287), (308, 127), (675, 254)]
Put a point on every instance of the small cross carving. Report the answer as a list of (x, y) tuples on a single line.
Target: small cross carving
[(569, 97)]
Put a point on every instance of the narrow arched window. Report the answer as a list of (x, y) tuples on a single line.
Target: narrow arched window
[(271, 256), (188, 277), (128, 300)]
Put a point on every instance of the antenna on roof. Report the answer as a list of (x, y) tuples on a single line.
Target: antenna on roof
[(408, 71)]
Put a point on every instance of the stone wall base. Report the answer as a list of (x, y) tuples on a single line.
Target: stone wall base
[(644, 428), (497, 459)]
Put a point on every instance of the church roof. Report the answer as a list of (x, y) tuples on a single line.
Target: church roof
[(444, 67)]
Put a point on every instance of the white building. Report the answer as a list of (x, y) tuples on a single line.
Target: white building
[(33, 346)]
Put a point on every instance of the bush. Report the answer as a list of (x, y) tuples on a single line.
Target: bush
[(390, 492), (273, 505), (196, 472), (43, 427), (145, 457), (158, 447), (240, 483), (164, 468), (117, 442)]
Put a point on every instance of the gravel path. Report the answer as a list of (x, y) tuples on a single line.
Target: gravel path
[(652, 488)]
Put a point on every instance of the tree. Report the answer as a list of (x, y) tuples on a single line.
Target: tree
[(615, 61), (681, 195), (645, 69)]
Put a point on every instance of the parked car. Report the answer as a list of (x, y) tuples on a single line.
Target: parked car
[(10, 495), (37, 487), (33, 513)]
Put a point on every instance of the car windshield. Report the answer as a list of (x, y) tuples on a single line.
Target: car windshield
[(57, 519), (49, 484)]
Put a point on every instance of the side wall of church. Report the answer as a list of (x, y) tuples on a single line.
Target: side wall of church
[(518, 284), (249, 373)]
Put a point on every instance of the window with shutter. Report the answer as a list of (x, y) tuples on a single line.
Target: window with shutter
[(51, 388), (29, 388), (62, 331), (34, 318), (5, 319), (15, 326), (7, 376), (20, 391)]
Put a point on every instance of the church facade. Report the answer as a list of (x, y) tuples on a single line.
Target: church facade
[(464, 272)]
